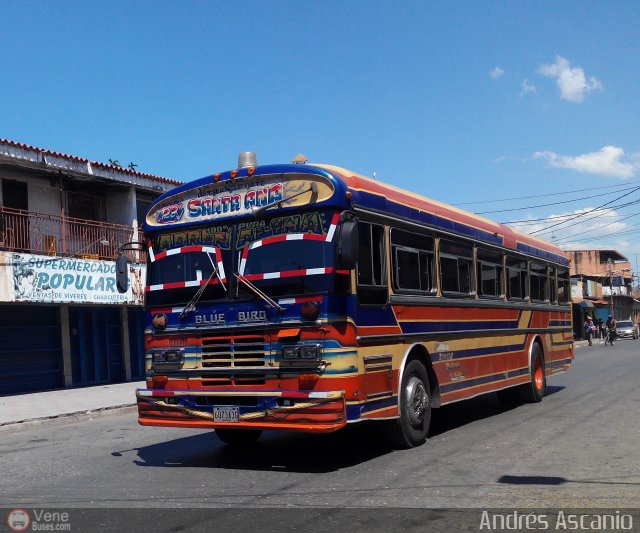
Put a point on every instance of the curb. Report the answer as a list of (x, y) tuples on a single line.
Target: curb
[(77, 416)]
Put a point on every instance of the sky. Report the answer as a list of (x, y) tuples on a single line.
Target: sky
[(527, 112)]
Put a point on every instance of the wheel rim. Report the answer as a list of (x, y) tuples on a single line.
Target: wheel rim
[(538, 375), (417, 400)]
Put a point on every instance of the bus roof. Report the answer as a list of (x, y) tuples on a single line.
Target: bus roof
[(370, 195), (402, 202)]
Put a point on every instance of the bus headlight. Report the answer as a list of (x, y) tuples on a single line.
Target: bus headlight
[(171, 356), (290, 352), (307, 352)]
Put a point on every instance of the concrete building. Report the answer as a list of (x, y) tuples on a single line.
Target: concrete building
[(62, 220), (601, 284)]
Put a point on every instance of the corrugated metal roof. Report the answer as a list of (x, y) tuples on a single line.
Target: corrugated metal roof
[(34, 154)]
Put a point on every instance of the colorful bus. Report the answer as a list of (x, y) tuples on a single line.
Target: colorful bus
[(304, 297)]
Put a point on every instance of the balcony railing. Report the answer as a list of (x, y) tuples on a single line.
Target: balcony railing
[(41, 233)]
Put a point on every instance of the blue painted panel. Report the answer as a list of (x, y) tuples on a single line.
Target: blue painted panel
[(96, 347), (136, 342), (30, 349)]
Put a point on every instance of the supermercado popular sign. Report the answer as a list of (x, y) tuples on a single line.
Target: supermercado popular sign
[(235, 198), (37, 278)]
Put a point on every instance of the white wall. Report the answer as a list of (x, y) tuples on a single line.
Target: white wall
[(121, 206)]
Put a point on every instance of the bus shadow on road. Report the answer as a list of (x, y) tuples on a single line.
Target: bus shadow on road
[(308, 453), (275, 451), (459, 414)]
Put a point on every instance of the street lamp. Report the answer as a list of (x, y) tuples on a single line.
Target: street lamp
[(101, 240)]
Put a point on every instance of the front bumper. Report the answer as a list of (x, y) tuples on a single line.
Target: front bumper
[(307, 411)]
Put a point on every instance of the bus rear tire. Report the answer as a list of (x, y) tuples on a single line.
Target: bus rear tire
[(411, 428), (534, 390), (238, 437)]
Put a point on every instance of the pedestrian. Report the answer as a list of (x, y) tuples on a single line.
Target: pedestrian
[(611, 326), (603, 328), (589, 328)]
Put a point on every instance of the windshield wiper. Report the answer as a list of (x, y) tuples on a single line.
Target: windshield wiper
[(313, 188), (271, 303), (191, 306)]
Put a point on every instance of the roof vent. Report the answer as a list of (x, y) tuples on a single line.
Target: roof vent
[(247, 159), (300, 159)]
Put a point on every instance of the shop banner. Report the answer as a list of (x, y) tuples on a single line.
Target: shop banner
[(37, 278)]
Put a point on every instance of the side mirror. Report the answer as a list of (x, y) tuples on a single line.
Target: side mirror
[(122, 273), (347, 251)]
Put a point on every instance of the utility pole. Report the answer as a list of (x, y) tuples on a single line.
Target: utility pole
[(610, 262)]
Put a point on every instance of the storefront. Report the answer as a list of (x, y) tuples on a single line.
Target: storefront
[(64, 324)]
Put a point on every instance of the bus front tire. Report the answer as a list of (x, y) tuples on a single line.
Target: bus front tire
[(238, 437), (414, 396)]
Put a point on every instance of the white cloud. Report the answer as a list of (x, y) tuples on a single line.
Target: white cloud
[(496, 73), (572, 82), (608, 161), (526, 88)]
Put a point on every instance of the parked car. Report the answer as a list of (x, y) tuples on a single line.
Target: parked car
[(626, 329)]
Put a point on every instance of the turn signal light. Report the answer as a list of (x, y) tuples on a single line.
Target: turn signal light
[(310, 310), (159, 382), (307, 381)]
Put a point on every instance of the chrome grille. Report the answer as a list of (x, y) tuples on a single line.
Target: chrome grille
[(234, 352)]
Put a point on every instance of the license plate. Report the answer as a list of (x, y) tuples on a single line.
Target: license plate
[(226, 414)]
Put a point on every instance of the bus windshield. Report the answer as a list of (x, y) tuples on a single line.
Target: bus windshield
[(175, 278), (282, 256), (289, 267)]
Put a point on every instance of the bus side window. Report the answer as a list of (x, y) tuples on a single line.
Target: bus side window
[(517, 278), (539, 282), (456, 264), (372, 268), (564, 286), (553, 287), (490, 278), (413, 263)]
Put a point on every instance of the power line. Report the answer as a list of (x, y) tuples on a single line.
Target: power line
[(544, 231), (598, 228), (536, 195), (601, 237), (553, 203), (530, 221), (596, 216)]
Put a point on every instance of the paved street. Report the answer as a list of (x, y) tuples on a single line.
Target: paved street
[(579, 448)]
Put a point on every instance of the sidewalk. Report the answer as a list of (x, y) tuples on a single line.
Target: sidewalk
[(578, 344), (38, 406)]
